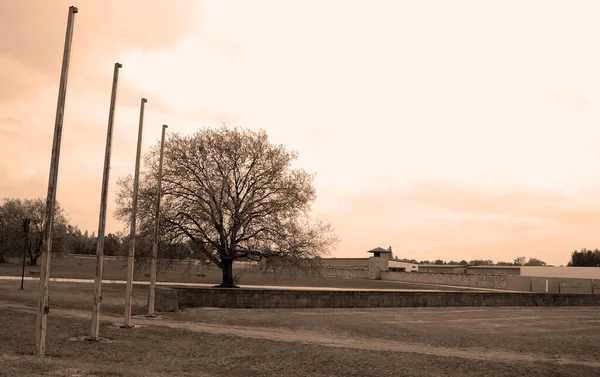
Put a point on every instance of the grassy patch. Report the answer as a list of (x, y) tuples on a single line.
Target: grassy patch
[(76, 295)]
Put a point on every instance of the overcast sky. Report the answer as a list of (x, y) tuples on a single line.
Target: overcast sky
[(446, 129)]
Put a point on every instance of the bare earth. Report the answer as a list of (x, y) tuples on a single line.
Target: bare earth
[(561, 341)]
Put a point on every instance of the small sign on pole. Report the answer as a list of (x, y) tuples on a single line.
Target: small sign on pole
[(26, 223)]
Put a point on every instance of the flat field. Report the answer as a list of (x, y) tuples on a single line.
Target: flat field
[(562, 341)]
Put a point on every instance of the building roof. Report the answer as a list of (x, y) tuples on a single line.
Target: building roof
[(379, 250), (493, 266), (464, 265), (405, 261), (443, 265)]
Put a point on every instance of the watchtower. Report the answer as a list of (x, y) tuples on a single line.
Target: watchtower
[(379, 262)]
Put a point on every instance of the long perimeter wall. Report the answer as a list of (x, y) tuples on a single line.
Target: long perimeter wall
[(480, 281)]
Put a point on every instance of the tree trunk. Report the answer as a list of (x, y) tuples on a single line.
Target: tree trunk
[(33, 259), (2, 260), (227, 269)]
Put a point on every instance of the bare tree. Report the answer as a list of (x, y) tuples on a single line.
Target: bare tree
[(13, 211), (234, 195)]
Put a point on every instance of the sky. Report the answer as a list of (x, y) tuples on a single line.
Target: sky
[(445, 129)]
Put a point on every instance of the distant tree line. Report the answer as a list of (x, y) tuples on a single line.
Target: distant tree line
[(585, 258), (520, 261), (12, 235), (69, 239)]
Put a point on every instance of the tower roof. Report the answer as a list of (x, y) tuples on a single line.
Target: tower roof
[(379, 250)]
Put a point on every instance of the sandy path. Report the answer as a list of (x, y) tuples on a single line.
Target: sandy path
[(323, 339)]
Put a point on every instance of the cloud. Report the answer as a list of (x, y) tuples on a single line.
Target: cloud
[(226, 46), (410, 94), (577, 102), (30, 61), (10, 127), (102, 30), (99, 25), (210, 115)]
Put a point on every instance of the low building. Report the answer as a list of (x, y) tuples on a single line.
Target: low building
[(494, 270), (470, 270), (402, 266), (561, 272)]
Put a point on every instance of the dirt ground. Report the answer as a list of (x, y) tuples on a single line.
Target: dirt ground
[(529, 341)]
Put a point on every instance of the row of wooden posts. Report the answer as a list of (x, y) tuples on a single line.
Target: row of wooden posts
[(43, 302)]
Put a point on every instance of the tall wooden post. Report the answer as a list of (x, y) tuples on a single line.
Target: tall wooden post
[(95, 329), (43, 299), (130, 259), (156, 228)]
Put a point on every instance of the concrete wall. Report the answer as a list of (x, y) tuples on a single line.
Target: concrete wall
[(540, 285), (581, 286), (271, 298), (518, 283), (481, 281), (555, 285), (562, 272)]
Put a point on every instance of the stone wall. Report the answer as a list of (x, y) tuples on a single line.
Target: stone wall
[(377, 265), (479, 281), (344, 262), (345, 273), (280, 298)]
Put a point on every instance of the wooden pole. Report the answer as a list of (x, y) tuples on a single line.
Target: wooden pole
[(130, 260), (43, 299), (95, 330), (156, 226)]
